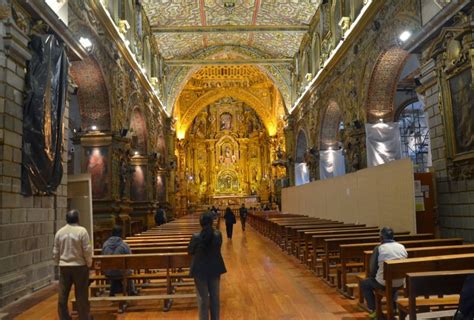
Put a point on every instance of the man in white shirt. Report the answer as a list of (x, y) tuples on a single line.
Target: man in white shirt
[(389, 249), (72, 252)]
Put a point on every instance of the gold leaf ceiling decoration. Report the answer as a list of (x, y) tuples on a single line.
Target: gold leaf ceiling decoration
[(244, 13)]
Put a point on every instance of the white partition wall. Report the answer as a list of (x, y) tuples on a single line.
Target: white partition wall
[(378, 196)]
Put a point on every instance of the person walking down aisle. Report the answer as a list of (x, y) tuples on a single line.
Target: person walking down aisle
[(243, 216), (72, 252), (229, 218), (207, 266)]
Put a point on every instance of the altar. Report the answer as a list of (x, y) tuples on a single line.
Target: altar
[(234, 201)]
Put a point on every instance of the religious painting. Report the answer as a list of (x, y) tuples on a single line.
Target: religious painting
[(227, 182), (226, 121), (462, 97), (160, 188), (138, 191), (97, 165)]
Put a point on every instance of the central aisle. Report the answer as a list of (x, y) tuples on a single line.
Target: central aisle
[(261, 283)]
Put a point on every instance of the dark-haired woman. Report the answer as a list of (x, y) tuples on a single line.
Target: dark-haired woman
[(229, 218), (206, 267)]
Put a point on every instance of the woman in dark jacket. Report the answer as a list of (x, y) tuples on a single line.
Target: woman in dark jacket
[(229, 217), (206, 267)]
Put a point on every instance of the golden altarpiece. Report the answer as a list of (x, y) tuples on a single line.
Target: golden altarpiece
[(225, 158)]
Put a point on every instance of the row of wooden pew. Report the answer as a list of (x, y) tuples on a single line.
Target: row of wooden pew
[(159, 265), (340, 254)]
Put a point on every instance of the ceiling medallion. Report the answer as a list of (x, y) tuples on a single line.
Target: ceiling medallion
[(229, 5)]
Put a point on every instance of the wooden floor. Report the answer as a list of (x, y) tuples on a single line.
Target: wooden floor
[(261, 283)]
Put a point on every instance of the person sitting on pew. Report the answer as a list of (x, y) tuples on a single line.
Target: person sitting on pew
[(115, 245), (465, 309), (389, 249), (207, 266), (160, 216)]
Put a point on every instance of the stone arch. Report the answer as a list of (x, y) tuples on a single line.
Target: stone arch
[(92, 94), (217, 94), (330, 126), (383, 84), (301, 146), (274, 72), (139, 131)]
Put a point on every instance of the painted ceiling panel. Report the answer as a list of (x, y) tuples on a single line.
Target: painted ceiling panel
[(244, 13)]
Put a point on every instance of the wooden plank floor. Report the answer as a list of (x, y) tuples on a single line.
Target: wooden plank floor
[(261, 283)]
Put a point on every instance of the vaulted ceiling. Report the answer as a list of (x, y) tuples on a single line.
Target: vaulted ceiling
[(275, 28)]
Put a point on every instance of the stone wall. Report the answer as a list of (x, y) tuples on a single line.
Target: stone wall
[(27, 224), (455, 190)]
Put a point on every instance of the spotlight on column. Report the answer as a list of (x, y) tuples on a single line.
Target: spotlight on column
[(136, 153), (94, 128)]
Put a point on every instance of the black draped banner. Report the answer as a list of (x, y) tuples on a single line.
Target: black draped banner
[(43, 111)]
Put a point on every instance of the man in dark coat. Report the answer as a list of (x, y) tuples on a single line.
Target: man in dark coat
[(243, 216)]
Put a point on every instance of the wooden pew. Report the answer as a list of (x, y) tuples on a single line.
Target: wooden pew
[(138, 262), (363, 251), (434, 283), (304, 241), (319, 245), (331, 246), (396, 269)]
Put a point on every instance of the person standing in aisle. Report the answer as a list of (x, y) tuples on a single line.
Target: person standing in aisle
[(207, 266), (72, 252), (243, 216), (229, 218)]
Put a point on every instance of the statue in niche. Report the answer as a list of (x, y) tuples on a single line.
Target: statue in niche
[(226, 121), (227, 157), (311, 158)]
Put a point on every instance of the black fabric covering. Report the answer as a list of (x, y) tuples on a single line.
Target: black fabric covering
[(43, 111)]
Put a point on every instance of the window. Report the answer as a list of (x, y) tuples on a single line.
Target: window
[(415, 136)]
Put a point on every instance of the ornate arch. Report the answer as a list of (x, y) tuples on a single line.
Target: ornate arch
[(301, 146), (383, 84), (212, 96), (330, 125), (92, 94)]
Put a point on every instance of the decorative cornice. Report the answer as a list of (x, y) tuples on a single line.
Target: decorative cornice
[(202, 62), (339, 52), (102, 14)]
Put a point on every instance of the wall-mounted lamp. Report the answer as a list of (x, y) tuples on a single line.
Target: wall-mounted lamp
[(404, 36), (380, 120), (86, 43), (136, 153), (94, 128)]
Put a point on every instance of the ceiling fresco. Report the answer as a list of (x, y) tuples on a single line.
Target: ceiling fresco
[(181, 13)]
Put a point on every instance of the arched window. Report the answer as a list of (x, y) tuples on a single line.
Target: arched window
[(415, 136)]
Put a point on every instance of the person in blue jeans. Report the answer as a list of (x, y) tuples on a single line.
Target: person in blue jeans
[(207, 266), (115, 245), (388, 249)]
